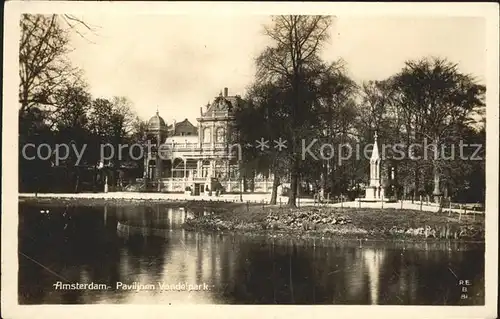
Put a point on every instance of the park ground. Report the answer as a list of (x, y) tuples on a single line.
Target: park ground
[(349, 219)]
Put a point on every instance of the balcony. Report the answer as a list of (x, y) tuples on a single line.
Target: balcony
[(193, 146), (181, 146), (193, 150)]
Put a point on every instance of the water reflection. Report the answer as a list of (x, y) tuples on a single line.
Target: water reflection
[(373, 261), (146, 245)]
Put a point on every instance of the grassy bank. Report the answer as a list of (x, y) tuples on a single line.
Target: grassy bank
[(346, 222)]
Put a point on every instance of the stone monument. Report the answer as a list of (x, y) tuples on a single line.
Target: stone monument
[(374, 191)]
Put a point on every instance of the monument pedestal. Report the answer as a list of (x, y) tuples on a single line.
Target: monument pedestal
[(371, 193), (374, 194)]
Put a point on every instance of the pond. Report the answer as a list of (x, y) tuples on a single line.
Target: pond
[(139, 254)]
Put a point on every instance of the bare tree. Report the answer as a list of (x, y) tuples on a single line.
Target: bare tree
[(125, 115), (43, 63), (291, 59)]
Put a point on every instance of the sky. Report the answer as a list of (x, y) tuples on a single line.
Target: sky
[(180, 63)]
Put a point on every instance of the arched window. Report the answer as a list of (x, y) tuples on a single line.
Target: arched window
[(220, 135), (206, 135)]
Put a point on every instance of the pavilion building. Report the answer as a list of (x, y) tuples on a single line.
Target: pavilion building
[(197, 156)]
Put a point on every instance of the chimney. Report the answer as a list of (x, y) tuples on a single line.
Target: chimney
[(225, 92)]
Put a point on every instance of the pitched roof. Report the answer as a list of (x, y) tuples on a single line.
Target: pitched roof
[(222, 105), (183, 124)]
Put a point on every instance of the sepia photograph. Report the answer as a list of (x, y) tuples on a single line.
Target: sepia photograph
[(226, 154)]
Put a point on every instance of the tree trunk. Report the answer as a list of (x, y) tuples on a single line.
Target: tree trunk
[(241, 189), (77, 183), (94, 179), (324, 179), (274, 193), (437, 174), (333, 176), (440, 210), (417, 184), (437, 181), (294, 179)]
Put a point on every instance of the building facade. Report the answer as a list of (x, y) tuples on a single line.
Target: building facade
[(200, 158)]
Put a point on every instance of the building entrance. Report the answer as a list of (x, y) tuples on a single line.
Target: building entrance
[(199, 188)]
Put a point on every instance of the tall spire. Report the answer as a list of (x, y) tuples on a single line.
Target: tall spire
[(157, 113), (375, 154)]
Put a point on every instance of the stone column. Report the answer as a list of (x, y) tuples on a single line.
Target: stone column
[(172, 168), (199, 168), (212, 137), (185, 167), (185, 178), (146, 166), (200, 134), (210, 174), (211, 171), (171, 182), (228, 176), (158, 162), (145, 175), (158, 171)]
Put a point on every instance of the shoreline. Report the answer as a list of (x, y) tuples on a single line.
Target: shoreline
[(286, 239), (173, 203), (301, 225), (283, 235), (274, 221), (252, 198)]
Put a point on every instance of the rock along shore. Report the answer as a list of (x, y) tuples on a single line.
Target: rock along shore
[(332, 222)]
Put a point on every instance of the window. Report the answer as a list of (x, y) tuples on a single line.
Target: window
[(220, 135), (206, 135)]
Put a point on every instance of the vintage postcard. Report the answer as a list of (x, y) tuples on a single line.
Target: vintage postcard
[(250, 159)]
